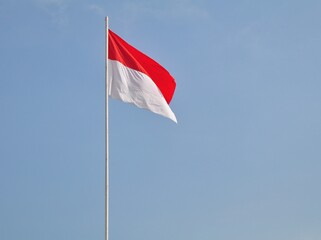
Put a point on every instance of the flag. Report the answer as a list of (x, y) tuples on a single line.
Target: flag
[(135, 78)]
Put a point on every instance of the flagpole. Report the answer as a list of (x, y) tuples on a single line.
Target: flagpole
[(106, 134)]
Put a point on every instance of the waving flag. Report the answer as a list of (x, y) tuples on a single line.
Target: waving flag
[(136, 78)]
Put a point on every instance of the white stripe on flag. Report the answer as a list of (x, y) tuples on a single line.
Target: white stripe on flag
[(135, 87)]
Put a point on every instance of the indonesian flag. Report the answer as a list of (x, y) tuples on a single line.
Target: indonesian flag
[(136, 78)]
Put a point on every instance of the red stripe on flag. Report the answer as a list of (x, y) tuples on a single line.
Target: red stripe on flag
[(129, 56)]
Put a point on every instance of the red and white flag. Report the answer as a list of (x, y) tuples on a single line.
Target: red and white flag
[(136, 78)]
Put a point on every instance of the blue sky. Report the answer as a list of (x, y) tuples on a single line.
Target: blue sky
[(242, 163)]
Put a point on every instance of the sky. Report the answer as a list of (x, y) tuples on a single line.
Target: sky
[(242, 163)]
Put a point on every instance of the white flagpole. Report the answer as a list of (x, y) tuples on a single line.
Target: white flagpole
[(106, 133)]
